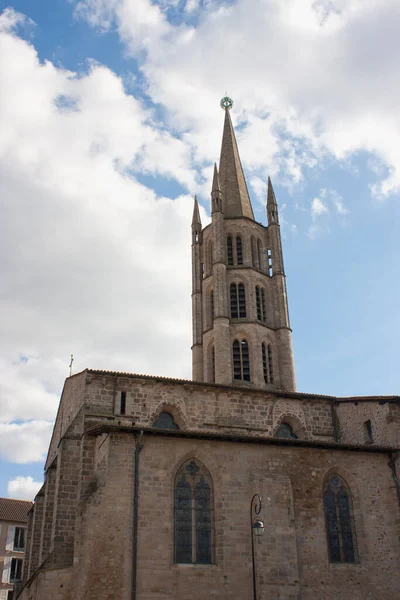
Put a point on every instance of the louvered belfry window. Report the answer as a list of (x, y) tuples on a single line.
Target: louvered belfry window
[(339, 519), (266, 352), (229, 250), (238, 301), (260, 302), (241, 360), (193, 514), (239, 251)]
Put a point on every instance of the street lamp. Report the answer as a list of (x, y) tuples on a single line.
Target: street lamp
[(257, 528)]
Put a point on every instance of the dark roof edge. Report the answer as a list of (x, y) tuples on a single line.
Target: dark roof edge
[(236, 388), (226, 437)]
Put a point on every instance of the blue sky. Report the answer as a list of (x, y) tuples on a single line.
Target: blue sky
[(111, 123)]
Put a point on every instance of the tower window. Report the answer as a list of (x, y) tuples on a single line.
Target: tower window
[(254, 257), (266, 352), (229, 250), (259, 254), (193, 514), (339, 519), (368, 432), (212, 307), (241, 361), (260, 302), (238, 301), (213, 364), (122, 406), (210, 258), (269, 254), (239, 251)]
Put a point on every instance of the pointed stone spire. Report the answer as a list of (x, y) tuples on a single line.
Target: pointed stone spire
[(236, 200), (271, 194), (216, 187), (272, 206), (216, 194), (196, 214)]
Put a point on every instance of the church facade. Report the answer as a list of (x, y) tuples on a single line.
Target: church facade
[(149, 481)]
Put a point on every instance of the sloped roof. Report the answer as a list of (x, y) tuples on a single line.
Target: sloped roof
[(14, 510)]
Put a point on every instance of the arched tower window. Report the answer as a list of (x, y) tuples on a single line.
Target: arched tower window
[(213, 364), (286, 431), (339, 520), (259, 254), (241, 360), (266, 352), (260, 302), (254, 259), (193, 514), (209, 258), (239, 251), (238, 301), (229, 250), (165, 421), (211, 308)]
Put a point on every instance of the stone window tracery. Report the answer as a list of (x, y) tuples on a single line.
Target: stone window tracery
[(339, 520), (193, 514)]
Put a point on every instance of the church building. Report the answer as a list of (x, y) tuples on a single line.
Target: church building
[(157, 488)]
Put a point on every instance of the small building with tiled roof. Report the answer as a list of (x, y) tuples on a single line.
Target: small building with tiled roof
[(13, 523)]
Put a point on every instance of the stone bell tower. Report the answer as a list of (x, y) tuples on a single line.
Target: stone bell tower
[(241, 329)]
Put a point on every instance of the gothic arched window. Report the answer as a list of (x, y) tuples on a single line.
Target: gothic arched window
[(210, 258), (211, 308), (286, 431), (339, 520), (254, 260), (229, 250), (193, 514), (259, 254), (239, 251), (260, 302), (238, 301), (241, 360), (212, 364), (268, 370), (165, 421)]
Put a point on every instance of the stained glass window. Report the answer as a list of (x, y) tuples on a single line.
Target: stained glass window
[(193, 514), (339, 521)]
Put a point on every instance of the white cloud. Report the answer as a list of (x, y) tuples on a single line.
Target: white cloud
[(23, 488), (318, 208), (25, 442), (329, 87)]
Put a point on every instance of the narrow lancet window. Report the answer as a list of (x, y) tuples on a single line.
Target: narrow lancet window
[(339, 519), (211, 308), (266, 353), (193, 514), (241, 360), (239, 251), (254, 256), (238, 301), (259, 254), (229, 250), (260, 303)]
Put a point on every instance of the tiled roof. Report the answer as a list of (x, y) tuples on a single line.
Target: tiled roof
[(14, 510)]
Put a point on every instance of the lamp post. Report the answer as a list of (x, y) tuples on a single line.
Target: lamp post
[(257, 528)]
